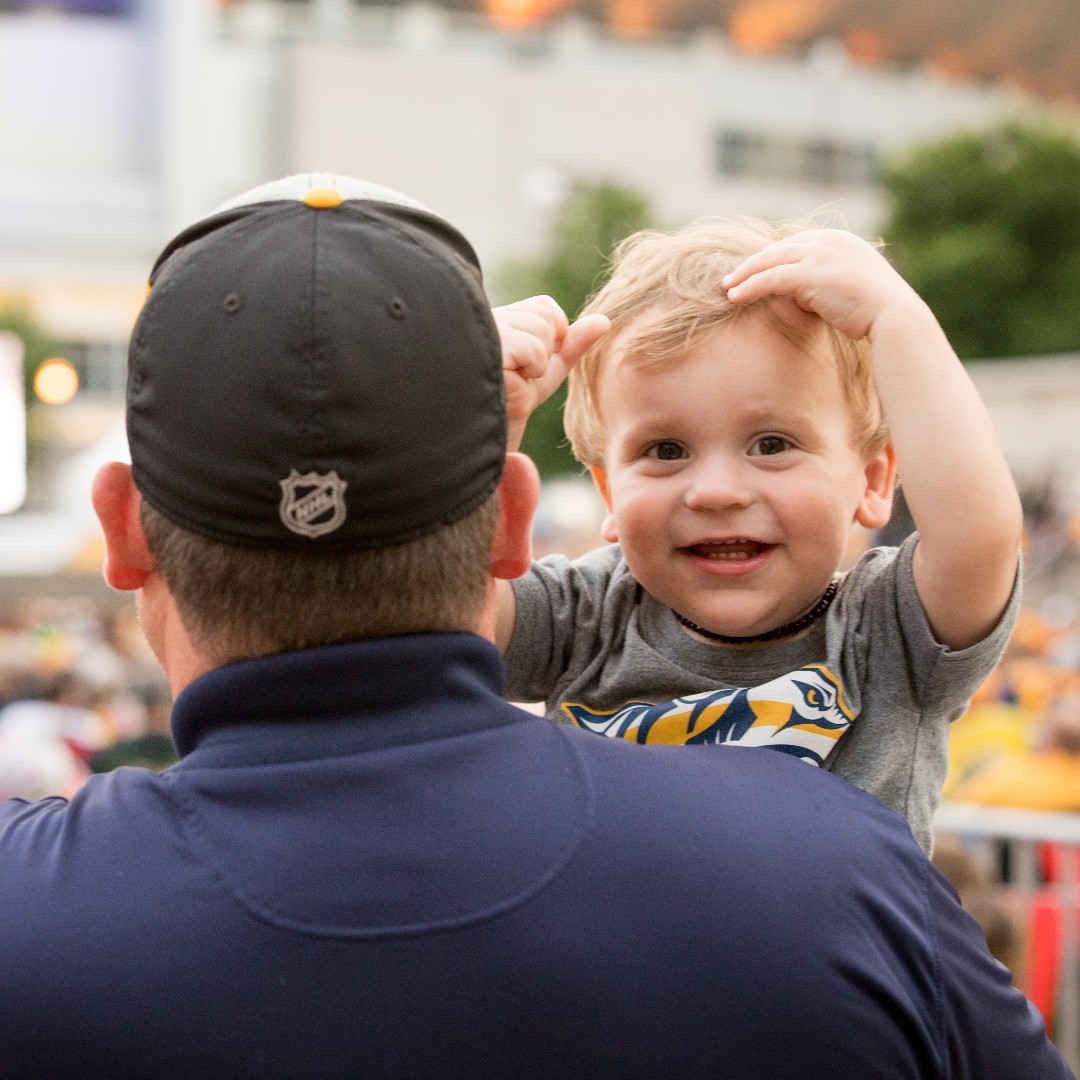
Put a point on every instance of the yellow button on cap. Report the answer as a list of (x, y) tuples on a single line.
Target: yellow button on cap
[(323, 198)]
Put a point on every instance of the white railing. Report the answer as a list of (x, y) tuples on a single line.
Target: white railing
[(1024, 831)]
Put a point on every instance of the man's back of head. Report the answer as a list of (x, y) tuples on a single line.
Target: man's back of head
[(316, 421)]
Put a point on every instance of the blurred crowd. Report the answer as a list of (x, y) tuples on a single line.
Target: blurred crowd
[(1018, 744), (80, 692)]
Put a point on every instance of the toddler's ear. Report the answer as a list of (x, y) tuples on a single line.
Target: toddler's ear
[(608, 529), (875, 507)]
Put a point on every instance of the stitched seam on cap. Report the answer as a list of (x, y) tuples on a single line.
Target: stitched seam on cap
[(313, 360), (477, 304), (435, 250)]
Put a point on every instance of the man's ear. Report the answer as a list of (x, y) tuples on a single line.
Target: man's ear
[(879, 473), (116, 499), (519, 492), (608, 529)]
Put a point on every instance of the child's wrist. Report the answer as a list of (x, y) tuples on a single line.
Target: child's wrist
[(911, 317)]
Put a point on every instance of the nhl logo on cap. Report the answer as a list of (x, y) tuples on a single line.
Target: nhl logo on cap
[(312, 504)]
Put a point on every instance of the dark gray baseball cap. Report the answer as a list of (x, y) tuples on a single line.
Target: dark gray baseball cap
[(316, 368)]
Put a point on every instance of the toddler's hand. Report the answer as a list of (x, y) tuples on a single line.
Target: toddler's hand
[(832, 273), (539, 347)]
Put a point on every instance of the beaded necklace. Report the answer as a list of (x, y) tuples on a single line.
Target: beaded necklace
[(787, 630)]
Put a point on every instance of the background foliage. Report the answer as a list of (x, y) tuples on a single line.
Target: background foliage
[(986, 227), (591, 221)]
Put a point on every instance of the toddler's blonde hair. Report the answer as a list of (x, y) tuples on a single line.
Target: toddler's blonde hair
[(670, 282)]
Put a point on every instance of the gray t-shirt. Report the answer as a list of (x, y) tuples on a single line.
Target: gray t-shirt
[(605, 655)]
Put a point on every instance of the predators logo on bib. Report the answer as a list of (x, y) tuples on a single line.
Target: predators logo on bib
[(802, 713)]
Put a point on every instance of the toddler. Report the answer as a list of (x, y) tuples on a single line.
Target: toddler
[(756, 392)]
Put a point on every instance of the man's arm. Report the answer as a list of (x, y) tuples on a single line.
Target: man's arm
[(991, 1029), (956, 480), (540, 346)]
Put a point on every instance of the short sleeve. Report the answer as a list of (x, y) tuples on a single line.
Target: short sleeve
[(559, 616)]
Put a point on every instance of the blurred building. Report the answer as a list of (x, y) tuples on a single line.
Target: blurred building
[(122, 120)]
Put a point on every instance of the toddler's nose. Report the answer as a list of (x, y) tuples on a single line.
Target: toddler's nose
[(718, 486)]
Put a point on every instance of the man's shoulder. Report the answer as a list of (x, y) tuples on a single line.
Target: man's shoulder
[(108, 805), (753, 796)]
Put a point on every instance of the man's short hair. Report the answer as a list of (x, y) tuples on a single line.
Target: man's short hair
[(670, 282), (317, 420), (239, 602)]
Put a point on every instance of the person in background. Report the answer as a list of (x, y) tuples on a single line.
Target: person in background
[(1042, 777)]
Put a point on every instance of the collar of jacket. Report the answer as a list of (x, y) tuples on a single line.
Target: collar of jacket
[(343, 698)]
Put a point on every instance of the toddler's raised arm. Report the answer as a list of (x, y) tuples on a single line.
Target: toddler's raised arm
[(539, 347), (955, 477)]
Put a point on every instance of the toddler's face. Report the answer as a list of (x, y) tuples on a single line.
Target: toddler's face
[(730, 477)]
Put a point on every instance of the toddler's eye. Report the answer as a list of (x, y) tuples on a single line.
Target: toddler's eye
[(770, 444), (666, 451)]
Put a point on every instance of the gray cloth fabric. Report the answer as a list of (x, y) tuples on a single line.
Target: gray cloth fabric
[(586, 635)]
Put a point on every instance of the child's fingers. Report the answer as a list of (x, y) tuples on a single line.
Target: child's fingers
[(540, 315), (544, 305), (581, 336), (809, 268), (528, 354), (770, 281), (530, 332), (783, 252), (523, 321)]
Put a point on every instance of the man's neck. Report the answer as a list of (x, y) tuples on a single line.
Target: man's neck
[(167, 636), (184, 661)]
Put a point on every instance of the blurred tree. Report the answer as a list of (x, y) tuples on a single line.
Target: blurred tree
[(592, 220), (986, 227)]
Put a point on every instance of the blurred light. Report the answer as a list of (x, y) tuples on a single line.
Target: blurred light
[(632, 18), (762, 26), (12, 424), (56, 381), (518, 13)]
